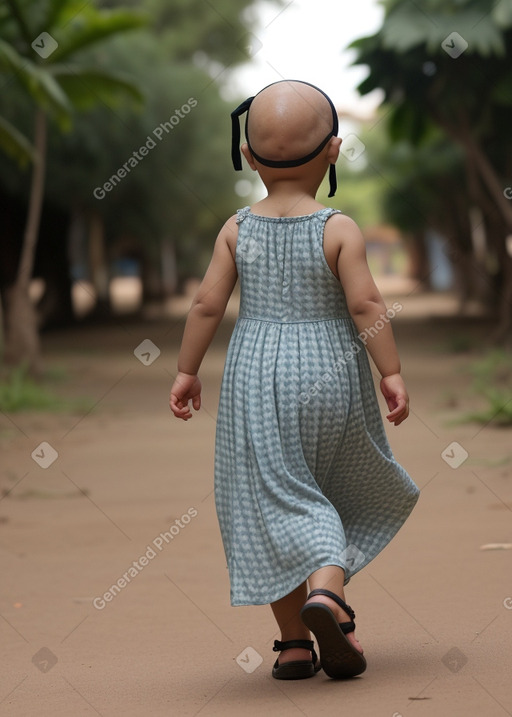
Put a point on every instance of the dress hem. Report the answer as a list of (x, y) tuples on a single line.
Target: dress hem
[(387, 541)]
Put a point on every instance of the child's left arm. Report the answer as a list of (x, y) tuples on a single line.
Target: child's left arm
[(205, 314)]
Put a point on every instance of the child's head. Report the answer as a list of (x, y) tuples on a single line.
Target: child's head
[(289, 124)]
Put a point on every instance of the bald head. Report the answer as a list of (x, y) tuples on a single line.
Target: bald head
[(288, 120)]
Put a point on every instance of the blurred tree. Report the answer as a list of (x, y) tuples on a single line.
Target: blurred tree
[(40, 41), (446, 64), (167, 208)]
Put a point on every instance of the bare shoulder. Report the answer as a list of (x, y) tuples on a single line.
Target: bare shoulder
[(340, 228), (229, 233), (341, 234)]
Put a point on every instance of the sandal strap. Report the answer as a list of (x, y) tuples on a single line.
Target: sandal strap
[(347, 627), (287, 644), (339, 601)]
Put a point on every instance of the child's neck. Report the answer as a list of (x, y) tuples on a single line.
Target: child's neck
[(287, 203)]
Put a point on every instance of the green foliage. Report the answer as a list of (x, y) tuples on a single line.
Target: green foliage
[(448, 118), (19, 392), (50, 85), (492, 380), (81, 26), (210, 33), (86, 87), (14, 144), (422, 183), (422, 82), (409, 25), (183, 189)]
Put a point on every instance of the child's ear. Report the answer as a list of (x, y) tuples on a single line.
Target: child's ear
[(247, 154), (334, 149)]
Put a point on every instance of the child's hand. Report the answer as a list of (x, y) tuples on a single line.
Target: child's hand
[(185, 388), (394, 391)]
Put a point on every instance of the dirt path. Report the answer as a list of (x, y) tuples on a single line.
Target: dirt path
[(129, 500)]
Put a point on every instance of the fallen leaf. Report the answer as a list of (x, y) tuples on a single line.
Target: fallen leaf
[(496, 546)]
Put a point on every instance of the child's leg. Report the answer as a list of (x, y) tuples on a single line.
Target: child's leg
[(332, 578), (287, 613)]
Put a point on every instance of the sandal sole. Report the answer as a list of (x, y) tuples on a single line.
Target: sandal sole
[(338, 657), (295, 670)]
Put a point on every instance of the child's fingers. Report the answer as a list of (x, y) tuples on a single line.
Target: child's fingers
[(179, 407), (400, 412), (175, 403), (181, 393)]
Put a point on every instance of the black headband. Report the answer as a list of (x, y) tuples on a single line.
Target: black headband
[(235, 139)]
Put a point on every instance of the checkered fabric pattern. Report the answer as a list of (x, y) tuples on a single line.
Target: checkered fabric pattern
[(304, 475)]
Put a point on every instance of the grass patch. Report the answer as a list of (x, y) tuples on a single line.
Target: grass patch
[(492, 380), (458, 343), (20, 392)]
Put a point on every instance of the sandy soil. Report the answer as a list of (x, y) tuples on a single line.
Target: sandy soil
[(131, 493)]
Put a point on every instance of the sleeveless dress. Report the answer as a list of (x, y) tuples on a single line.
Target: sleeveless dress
[(304, 475)]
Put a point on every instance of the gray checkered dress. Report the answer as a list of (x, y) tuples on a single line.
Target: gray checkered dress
[(304, 475)]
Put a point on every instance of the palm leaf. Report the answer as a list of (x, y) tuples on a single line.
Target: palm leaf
[(54, 13), (17, 13), (40, 85), (405, 28), (91, 27), (502, 13), (85, 87), (14, 144)]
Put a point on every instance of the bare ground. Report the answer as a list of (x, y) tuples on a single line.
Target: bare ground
[(434, 611)]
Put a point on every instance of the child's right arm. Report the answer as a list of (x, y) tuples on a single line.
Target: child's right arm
[(367, 307), (203, 319)]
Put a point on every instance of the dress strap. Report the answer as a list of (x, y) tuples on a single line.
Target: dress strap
[(241, 214), (329, 211)]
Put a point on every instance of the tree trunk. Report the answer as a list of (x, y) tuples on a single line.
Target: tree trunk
[(492, 181), (497, 223), (419, 263), (98, 265), (504, 329), (22, 343), (463, 134), (169, 268)]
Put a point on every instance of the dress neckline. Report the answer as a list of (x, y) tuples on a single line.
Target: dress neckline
[(298, 217)]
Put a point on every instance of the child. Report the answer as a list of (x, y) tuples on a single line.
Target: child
[(306, 486)]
